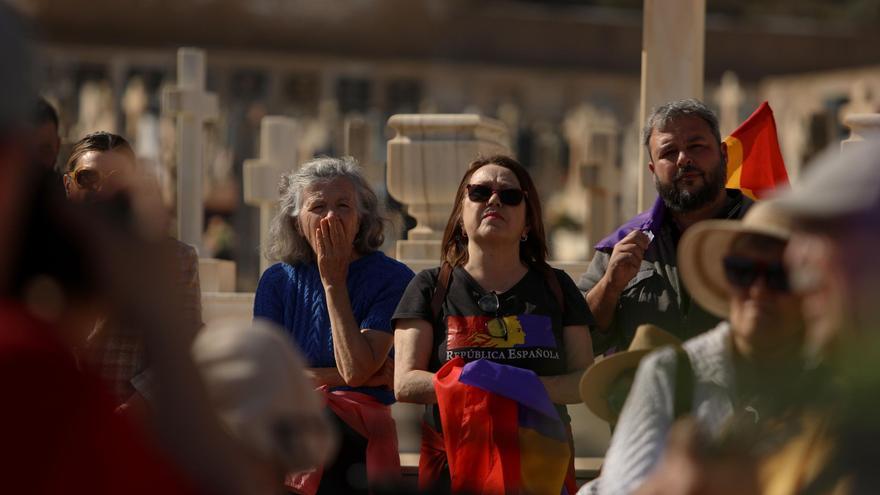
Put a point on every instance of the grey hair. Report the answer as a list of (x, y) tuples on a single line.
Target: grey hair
[(286, 240), (663, 114)]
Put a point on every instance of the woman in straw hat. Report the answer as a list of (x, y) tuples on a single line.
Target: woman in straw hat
[(734, 269)]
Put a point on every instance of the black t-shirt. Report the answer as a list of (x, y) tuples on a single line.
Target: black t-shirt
[(526, 332)]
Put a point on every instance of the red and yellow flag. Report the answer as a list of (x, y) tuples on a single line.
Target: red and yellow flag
[(754, 163)]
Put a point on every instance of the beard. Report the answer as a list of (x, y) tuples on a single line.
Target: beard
[(683, 201)]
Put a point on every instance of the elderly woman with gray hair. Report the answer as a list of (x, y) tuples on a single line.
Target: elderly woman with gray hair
[(335, 292)]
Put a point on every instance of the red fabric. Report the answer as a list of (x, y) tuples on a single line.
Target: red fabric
[(371, 419), (432, 457), (762, 166), (58, 427), (480, 433)]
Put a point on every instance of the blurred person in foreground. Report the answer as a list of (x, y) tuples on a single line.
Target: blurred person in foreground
[(832, 264), (634, 275), (833, 261), (334, 293), (101, 165), (58, 427), (47, 141), (493, 308), (60, 265), (257, 383), (736, 371)]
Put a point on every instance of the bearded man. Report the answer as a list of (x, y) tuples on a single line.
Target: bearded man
[(633, 278)]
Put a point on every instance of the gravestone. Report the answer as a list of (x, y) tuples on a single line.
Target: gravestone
[(192, 107), (278, 144), (729, 97)]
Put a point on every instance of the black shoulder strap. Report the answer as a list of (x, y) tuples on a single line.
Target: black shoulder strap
[(684, 383), (441, 288), (553, 283)]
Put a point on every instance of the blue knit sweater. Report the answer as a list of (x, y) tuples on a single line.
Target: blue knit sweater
[(293, 297)]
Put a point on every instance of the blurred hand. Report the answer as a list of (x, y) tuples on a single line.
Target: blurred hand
[(626, 258), (136, 408), (688, 469), (335, 248)]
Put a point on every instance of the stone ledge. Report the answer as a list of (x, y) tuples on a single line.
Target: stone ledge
[(216, 275), (585, 468), (227, 304)]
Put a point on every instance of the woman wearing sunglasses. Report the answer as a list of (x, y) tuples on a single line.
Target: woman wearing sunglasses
[(102, 171), (742, 370), (494, 297), (97, 164)]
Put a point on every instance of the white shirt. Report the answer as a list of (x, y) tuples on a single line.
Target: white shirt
[(640, 436)]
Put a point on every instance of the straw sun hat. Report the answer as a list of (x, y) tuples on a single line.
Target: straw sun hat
[(703, 247), (599, 378)]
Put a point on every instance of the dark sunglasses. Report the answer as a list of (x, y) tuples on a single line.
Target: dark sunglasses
[(743, 272), (89, 178), (481, 194)]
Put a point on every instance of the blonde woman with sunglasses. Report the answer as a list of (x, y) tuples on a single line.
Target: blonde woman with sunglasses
[(102, 169), (97, 165), (493, 298)]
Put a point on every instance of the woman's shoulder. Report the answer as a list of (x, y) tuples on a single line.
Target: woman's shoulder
[(280, 273), (563, 276), (378, 265)]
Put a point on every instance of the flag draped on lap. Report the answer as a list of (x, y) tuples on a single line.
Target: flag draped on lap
[(501, 431), (370, 419), (754, 162)]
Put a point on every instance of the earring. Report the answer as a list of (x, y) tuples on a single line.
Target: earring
[(524, 237)]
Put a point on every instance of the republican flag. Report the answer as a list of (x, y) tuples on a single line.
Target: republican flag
[(501, 432), (754, 163)]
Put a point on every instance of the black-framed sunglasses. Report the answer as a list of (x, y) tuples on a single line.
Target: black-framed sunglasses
[(742, 272), (489, 303), (480, 194)]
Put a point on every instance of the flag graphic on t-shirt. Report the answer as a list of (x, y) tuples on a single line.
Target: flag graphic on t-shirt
[(526, 330)]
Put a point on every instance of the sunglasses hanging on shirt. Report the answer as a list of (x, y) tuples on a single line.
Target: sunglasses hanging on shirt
[(491, 303)]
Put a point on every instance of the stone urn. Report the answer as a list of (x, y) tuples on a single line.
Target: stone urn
[(426, 160), (862, 126)]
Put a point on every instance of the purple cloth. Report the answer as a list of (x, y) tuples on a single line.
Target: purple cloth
[(517, 384), (650, 220)]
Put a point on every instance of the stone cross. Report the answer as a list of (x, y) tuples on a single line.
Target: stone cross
[(729, 96), (593, 180), (192, 107), (673, 45), (278, 144), (358, 143)]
